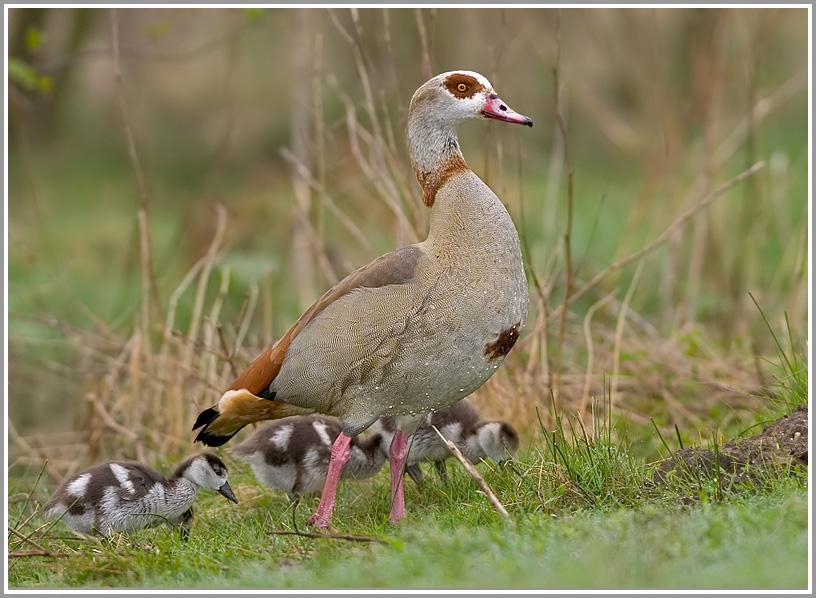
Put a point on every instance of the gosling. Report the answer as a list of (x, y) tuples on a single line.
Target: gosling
[(461, 424), (292, 454), (117, 497)]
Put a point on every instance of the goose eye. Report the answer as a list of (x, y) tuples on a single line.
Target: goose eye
[(462, 87)]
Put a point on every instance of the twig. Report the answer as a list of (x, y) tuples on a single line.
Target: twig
[(113, 425), (245, 316), (307, 176), (227, 356), (25, 538), (39, 455), (328, 536), (18, 554), (665, 236), (474, 474)]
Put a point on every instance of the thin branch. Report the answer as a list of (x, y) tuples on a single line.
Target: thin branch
[(111, 423), (327, 536), (19, 554), (474, 474), (25, 538), (673, 228), (14, 436), (227, 355)]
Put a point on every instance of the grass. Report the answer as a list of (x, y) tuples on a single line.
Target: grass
[(452, 538)]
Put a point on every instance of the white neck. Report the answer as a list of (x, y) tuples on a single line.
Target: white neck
[(432, 144)]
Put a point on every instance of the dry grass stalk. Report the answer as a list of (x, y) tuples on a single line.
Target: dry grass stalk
[(474, 473), (303, 172), (562, 128), (36, 455), (109, 422), (590, 350), (613, 388), (150, 288), (678, 223), (427, 63)]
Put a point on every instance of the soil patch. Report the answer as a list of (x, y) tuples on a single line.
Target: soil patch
[(780, 445)]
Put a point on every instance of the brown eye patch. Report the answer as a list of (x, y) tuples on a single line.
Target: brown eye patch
[(463, 86)]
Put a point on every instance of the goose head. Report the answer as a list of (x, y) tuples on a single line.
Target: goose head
[(456, 96), (207, 472), (437, 109)]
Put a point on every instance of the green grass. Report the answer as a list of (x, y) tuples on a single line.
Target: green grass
[(452, 538)]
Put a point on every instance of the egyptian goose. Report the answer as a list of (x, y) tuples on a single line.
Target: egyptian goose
[(416, 329), (292, 454), (460, 423), (120, 496)]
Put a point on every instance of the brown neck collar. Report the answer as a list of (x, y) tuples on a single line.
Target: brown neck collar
[(434, 180)]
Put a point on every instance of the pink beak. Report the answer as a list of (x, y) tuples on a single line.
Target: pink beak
[(495, 108)]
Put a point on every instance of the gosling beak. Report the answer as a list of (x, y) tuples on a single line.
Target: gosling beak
[(495, 108), (227, 492)]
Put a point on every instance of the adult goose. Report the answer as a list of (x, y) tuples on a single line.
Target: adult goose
[(121, 496), (416, 329)]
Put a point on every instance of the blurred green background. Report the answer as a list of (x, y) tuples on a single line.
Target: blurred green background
[(662, 106)]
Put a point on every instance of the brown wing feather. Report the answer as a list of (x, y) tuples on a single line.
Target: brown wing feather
[(396, 267), (241, 404)]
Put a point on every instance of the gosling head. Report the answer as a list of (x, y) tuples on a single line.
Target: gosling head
[(498, 440), (207, 472)]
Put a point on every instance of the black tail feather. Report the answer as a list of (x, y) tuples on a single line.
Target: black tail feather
[(205, 417), (213, 439)]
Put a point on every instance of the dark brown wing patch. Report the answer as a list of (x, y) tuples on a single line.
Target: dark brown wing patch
[(502, 345), (462, 85)]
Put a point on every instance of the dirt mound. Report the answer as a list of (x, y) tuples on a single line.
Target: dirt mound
[(781, 444)]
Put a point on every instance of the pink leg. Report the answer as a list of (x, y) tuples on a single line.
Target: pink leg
[(399, 452), (339, 457)]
